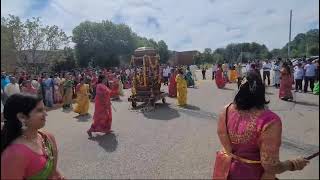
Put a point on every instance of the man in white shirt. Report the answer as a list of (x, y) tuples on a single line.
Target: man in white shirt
[(165, 75), (266, 71), (310, 73), (12, 88)]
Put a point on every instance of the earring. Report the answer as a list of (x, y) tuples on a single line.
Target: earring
[(24, 127)]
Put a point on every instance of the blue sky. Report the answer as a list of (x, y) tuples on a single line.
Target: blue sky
[(183, 24)]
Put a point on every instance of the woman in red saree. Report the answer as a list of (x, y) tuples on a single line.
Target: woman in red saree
[(102, 117), (250, 135), (285, 83), (220, 80), (172, 88)]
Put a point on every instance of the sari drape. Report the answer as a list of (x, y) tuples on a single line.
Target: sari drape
[(181, 90), (220, 81), (102, 118), (249, 142), (68, 92), (172, 88), (82, 100), (285, 84)]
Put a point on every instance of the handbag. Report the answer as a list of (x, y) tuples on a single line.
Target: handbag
[(223, 161)]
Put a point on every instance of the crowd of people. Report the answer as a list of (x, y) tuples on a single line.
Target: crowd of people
[(285, 74), (250, 152)]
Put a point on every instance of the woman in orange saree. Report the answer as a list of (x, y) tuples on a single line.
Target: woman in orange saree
[(250, 135), (102, 117)]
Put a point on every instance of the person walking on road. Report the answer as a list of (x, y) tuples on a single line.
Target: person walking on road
[(102, 117), (250, 135), (286, 83), (181, 88), (266, 71), (172, 88), (67, 92), (203, 73), (82, 100), (276, 74)]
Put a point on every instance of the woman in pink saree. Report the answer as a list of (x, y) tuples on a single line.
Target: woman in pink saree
[(285, 83), (172, 88), (102, 117), (250, 135), (220, 80)]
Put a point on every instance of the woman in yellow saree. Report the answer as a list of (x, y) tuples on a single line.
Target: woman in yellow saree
[(181, 88), (82, 105)]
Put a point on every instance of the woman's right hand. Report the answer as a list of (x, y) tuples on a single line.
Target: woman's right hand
[(300, 163)]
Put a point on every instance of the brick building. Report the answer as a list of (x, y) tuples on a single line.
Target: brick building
[(182, 58)]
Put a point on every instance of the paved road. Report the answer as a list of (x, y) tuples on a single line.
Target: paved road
[(173, 142)]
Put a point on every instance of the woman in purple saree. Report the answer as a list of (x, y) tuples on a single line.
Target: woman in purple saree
[(251, 137)]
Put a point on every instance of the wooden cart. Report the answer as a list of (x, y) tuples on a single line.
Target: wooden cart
[(147, 78)]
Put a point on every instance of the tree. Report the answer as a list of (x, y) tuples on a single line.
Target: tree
[(313, 50), (217, 58), (207, 55), (198, 59), (68, 63), (32, 39), (163, 52), (302, 44)]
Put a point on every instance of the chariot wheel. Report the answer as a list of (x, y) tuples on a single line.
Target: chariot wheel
[(134, 104), (164, 101), (152, 102)]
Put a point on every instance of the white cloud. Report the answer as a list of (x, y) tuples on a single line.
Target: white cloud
[(185, 24)]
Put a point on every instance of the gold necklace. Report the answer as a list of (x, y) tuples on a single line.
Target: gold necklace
[(43, 144)]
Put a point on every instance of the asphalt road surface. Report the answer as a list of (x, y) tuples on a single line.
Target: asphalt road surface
[(172, 142)]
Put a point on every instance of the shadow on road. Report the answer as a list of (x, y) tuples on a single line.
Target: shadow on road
[(229, 89), (85, 118), (67, 110), (304, 103), (162, 112), (191, 107), (55, 107), (108, 142), (299, 147), (269, 93), (117, 100)]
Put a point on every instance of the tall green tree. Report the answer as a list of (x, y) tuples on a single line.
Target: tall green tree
[(163, 51)]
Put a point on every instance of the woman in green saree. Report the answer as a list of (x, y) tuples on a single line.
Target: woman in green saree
[(27, 152), (68, 91)]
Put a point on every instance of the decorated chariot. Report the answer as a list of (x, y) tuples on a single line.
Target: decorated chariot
[(146, 82)]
